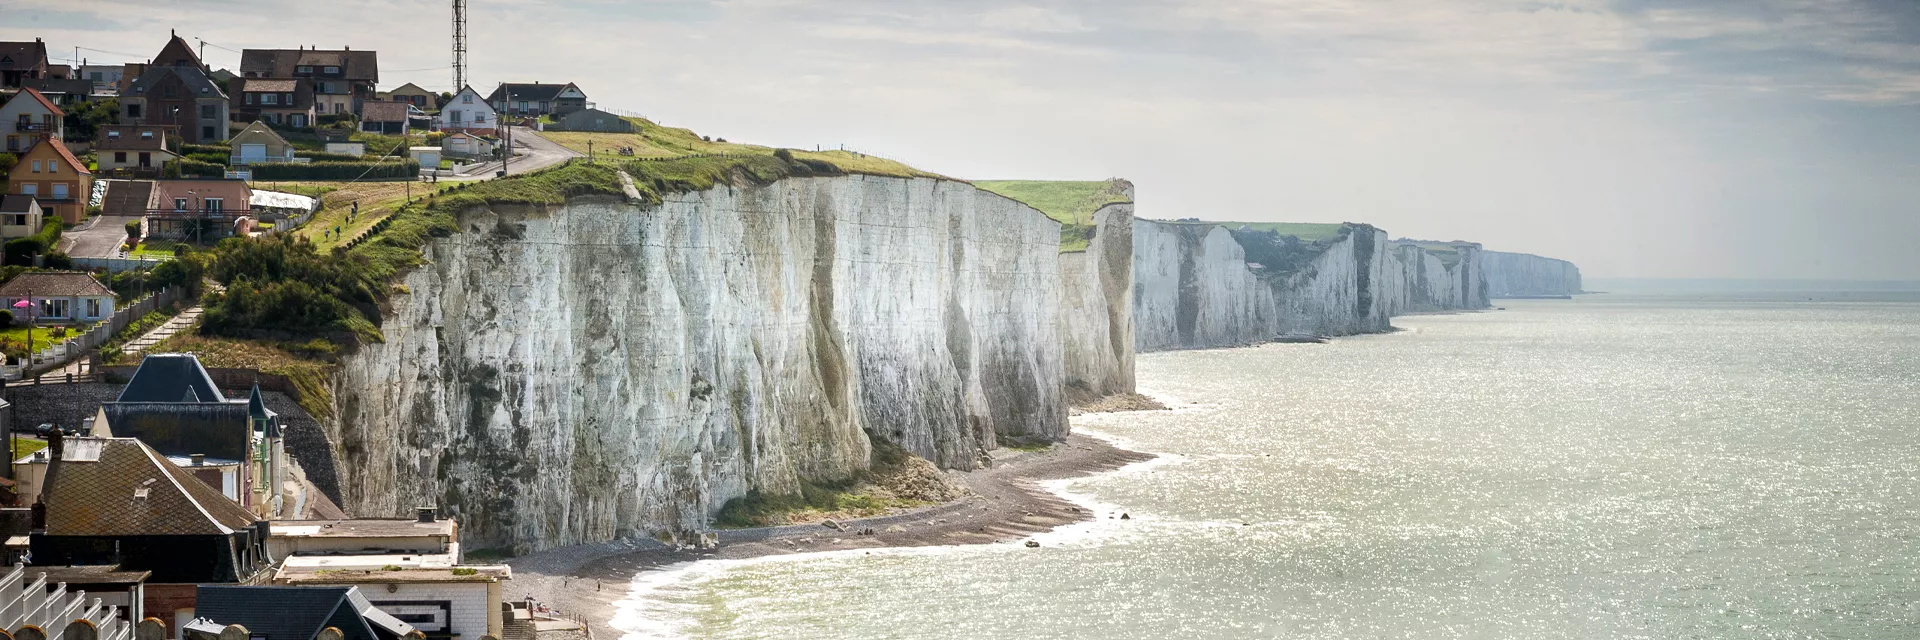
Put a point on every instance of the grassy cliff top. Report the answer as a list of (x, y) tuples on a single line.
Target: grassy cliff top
[(1308, 231), (1070, 203), (651, 141)]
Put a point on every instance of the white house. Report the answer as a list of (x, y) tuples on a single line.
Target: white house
[(29, 118), (58, 297), (468, 112), (20, 216)]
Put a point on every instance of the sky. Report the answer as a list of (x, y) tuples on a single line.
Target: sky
[(1678, 138)]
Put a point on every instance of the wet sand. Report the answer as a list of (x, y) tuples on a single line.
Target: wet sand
[(1008, 505)]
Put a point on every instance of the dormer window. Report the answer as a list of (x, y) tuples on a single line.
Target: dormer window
[(303, 69), (333, 70), (113, 134), (144, 135)]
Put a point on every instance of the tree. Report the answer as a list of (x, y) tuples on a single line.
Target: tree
[(84, 120)]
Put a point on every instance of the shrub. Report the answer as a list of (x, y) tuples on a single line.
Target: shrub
[(783, 154), (188, 149), (133, 228), (7, 160), (322, 156), (190, 167), (221, 158), (337, 170), (57, 260), (6, 317), (20, 251)]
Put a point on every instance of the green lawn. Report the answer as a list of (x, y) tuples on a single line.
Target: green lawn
[(1071, 203), (157, 249), (1307, 231), (24, 446), (43, 336), (650, 140)]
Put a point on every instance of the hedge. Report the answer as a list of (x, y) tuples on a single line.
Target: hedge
[(191, 167), (217, 149), (20, 251), (210, 158), (321, 156), (337, 171)]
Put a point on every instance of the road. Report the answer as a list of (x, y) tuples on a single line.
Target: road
[(539, 153), (101, 238)]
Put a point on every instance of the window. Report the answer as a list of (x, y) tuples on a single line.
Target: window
[(303, 69), (466, 98), (93, 307), (213, 205), (95, 76), (479, 118), (53, 167), (523, 106), (146, 135), (31, 189), (26, 120), (113, 135), (206, 133), (179, 204), (454, 116), (146, 159), (333, 70), (250, 98), (120, 157), (543, 105), (53, 307), (170, 91), (288, 98), (59, 190), (36, 166), (271, 98), (133, 110), (209, 111)]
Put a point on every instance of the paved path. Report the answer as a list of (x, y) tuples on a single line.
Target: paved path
[(536, 153), (100, 237), (175, 325)]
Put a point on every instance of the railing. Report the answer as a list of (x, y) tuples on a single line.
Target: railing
[(35, 126), (57, 614), (59, 355)]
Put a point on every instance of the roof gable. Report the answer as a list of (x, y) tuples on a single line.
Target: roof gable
[(51, 149), (257, 133), (162, 376), (177, 53), (114, 487), (29, 98), (55, 283)]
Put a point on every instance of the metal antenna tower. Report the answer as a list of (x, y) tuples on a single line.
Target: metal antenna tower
[(459, 44)]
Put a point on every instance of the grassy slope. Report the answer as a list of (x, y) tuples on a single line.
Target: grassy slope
[(654, 141), (1070, 203), (1308, 231)]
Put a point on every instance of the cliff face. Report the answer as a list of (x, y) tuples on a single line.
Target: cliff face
[(1096, 313), (1520, 274), (1194, 288), (605, 369)]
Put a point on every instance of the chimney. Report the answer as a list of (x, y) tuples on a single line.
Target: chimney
[(426, 514), (199, 459)]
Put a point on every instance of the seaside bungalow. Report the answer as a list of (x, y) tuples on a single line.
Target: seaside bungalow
[(20, 61), (291, 613), (285, 101), (390, 118), (197, 209), (20, 216), (412, 94), (342, 79), (58, 297), (136, 149), (461, 144), (112, 501), (176, 90), (52, 175), (29, 118), (259, 144), (518, 99), (594, 120), (234, 446), (468, 113), (411, 568)]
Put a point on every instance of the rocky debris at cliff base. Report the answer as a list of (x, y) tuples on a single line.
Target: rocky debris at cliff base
[(1119, 402)]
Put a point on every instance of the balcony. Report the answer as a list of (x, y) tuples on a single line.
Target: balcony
[(36, 127)]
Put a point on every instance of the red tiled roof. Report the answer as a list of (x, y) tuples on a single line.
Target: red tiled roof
[(65, 154)]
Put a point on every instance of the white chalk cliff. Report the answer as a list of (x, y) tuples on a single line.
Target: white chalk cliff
[(1521, 274)]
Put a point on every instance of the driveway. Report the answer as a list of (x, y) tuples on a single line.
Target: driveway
[(99, 239), (535, 153)]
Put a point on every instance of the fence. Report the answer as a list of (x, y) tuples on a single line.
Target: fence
[(57, 614), (60, 354), (116, 265)]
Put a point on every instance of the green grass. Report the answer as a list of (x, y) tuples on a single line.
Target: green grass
[(42, 335), (23, 447), (650, 140), (1308, 231), (157, 249), (1072, 204)]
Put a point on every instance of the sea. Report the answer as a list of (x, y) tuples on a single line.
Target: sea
[(1665, 465)]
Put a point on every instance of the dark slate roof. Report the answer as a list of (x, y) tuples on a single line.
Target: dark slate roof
[(116, 487), (63, 86), (23, 55), (54, 283), (16, 203), (171, 377), (198, 84), (90, 575), (384, 111), (129, 138), (297, 613), (534, 91), (282, 63)]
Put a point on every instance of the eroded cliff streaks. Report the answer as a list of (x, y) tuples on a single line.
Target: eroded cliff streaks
[(605, 369), (1520, 274), (1096, 315)]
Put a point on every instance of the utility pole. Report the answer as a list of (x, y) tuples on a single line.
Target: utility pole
[(459, 45)]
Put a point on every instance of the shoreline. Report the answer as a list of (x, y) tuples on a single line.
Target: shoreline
[(1007, 504)]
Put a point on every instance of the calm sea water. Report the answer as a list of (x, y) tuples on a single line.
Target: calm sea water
[(1609, 467)]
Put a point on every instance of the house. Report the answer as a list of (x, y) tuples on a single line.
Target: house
[(594, 120), (342, 80), (118, 501), (537, 99), (62, 91), (258, 144), (20, 61), (58, 297), (288, 102), (413, 561), (293, 613), (469, 113), (412, 94), (115, 587), (461, 144), (51, 174), (202, 209), (20, 216), (176, 90), (135, 147), (105, 77), (385, 117), (29, 118), (172, 404)]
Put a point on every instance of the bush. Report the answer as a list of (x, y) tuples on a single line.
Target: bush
[(20, 251), (322, 156), (7, 160), (189, 149), (337, 170), (57, 260), (783, 154), (133, 228), (6, 317), (184, 271), (190, 167), (221, 158)]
